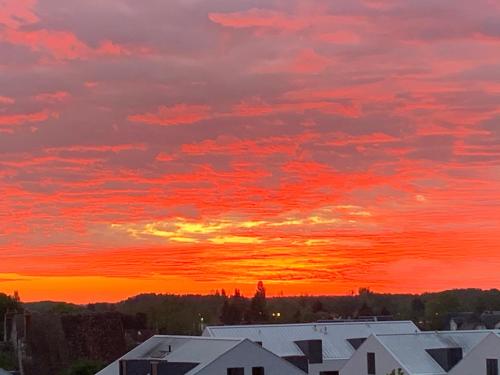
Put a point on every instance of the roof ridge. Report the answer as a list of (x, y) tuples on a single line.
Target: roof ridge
[(308, 324), (199, 337), (440, 332)]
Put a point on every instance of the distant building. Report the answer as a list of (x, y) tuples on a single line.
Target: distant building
[(316, 348), (429, 353), (188, 355), (490, 319), (464, 321), (473, 321)]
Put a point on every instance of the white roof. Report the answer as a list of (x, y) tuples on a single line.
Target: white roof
[(193, 349), (410, 349), (280, 338)]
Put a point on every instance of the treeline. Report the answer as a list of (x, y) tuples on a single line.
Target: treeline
[(188, 314)]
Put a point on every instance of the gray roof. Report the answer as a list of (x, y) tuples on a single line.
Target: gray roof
[(4, 372), (193, 349), (280, 338), (410, 349)]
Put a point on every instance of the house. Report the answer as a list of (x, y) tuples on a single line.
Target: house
[(429, 353), (188, 355), (466, 321), (491, 319), (469, 321), (482, 359), (316, 348)]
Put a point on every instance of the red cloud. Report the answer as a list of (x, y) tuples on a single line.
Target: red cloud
[(162, 156), (6, 100), (52, 97), (15, 13), (18, 119), (257, 107), (112, 49), (61, 45), (306, 61), (259, 18), (98, 148), (328, 138), (262, 148), (49, 160), (175, 115), (340, 37)]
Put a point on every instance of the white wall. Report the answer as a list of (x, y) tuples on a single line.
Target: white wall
[(384, 361), (474, 363), (248, 355)]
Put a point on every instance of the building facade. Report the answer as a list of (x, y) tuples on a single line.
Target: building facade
[(187, 355), (427, 353), (316, 348)]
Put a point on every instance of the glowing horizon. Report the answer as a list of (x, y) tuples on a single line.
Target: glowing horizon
[(183, 148)]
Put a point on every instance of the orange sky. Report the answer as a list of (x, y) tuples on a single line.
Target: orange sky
[(191, 146)]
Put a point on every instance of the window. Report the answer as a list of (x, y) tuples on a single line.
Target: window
[(492, 367), (370, 359), (236, 371), (328, 373), (257, 370)]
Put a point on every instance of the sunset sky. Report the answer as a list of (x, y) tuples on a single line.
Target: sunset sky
[(184, 146)]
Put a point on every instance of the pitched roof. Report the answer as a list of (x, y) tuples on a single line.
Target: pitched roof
[(411, 349), (192, 349), (280, 338)]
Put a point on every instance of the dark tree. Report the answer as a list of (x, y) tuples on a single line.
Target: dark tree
[(297, 316), (258, 305), (225, 312), (233, 309), (417, 307), (7, 357), (385, 312), (365, 310), (7, 303), (84, 367), (317, 306)]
